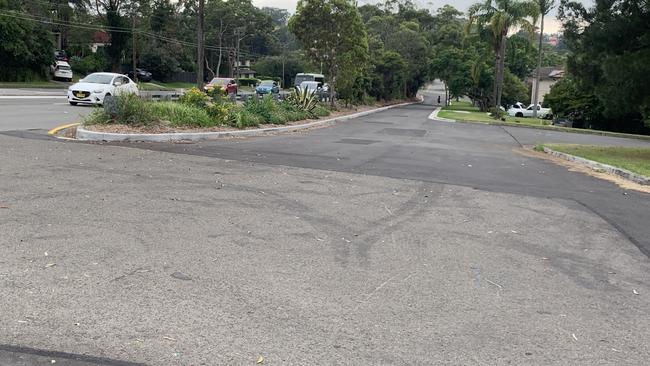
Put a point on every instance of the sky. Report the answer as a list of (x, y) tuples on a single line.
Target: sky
[(551, 24)]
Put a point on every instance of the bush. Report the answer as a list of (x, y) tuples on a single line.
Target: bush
[(196, 98), (181, 115), (321, 110), (130, 110), (220, 113), (242, 118), (303, 100), (86, 65), (247, 81)]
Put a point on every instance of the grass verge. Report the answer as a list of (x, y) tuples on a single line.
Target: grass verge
[(456, 110), (634, 159), (465, 111)]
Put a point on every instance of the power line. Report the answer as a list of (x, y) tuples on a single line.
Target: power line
[(44, 20)]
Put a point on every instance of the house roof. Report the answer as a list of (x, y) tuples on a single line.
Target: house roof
[(549, 73), (101, 37)]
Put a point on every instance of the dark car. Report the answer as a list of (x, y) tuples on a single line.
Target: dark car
[(142, 75), (60, 55)]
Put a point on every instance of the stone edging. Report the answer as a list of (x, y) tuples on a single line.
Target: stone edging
[(87, 135), (623, 173)]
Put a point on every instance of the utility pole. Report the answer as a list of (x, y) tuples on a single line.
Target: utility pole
[(135, 74), (284, 47), (200, 57)]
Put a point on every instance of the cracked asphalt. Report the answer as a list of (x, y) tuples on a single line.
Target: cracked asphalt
[(390, 239)]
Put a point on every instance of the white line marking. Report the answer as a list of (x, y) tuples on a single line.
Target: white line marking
[(32, 96)]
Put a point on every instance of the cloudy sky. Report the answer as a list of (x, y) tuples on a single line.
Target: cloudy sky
[(551, 25)]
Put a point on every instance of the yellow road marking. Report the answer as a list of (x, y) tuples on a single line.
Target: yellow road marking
[(63, 127)]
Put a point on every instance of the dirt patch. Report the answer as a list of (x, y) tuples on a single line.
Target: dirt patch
[(164, 128), (577, 167)]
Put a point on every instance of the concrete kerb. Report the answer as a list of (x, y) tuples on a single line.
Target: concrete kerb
[(87, 135), (623, 173), (434, 116)]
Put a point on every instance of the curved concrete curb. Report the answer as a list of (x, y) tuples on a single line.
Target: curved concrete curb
[(600, 167), (87, 135), (434, 116)]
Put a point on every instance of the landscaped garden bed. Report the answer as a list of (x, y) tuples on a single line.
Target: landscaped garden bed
[(200, 112)]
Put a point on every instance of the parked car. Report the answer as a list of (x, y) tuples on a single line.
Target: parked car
[(520, 110), (95, 87), (311, 86), (61, 70), (227, 84), (267, 87), (60, 55), (142, 75)]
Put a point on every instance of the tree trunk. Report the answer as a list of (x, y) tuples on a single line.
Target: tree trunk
[(539, 65), (446, 95), (495, 90), (332, 75), (500, 75), (221, 32)]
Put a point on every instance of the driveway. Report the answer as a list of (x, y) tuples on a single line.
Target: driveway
[(390, 239)]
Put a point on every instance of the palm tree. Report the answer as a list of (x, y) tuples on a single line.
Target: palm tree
[(544, 7), (500, 16)]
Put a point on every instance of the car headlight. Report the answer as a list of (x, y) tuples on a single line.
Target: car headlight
[(97, 91)]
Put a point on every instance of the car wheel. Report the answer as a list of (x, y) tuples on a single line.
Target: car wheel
[(519, 114), (73, 103)]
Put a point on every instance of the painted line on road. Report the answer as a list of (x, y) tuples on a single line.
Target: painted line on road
[(62, 127), (32, 96)]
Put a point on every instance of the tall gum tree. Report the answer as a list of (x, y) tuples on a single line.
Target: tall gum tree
[(332, 34)]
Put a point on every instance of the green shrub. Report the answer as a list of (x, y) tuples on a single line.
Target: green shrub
[(265, 108), (181, 115), (321, 110), (83, 66), (241, 118), (304, 100), (196, 98), (220, 113), (129, 109)]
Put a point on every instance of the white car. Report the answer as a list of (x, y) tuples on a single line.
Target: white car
[(311, 86), (95, 87), (520, 110), (61, 70)]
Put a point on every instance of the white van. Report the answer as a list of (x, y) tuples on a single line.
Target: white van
[(300, 77), (61, 70)]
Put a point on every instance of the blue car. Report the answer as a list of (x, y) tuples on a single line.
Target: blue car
[(267, 87)]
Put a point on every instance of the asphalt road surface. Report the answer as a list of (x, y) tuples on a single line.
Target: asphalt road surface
[(390, 239), (34, 109)]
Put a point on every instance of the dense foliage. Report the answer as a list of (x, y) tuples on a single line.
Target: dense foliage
[(608, 65)]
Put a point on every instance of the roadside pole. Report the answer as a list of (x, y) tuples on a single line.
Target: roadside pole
[(135, 74), (199, 54)]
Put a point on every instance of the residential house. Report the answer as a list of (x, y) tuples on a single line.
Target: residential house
[(547, 77)]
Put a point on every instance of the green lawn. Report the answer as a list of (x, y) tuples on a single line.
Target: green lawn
[(631, 158), (465, 111)]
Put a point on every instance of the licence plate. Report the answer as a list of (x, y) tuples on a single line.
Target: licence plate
[(79, 95)]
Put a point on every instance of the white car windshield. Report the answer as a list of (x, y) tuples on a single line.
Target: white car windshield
[(62, 67), (98, 79)]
